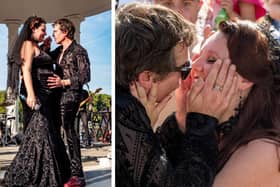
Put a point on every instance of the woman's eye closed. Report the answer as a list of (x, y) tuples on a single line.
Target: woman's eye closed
[(211, 60), (167, 4), (187, 3)]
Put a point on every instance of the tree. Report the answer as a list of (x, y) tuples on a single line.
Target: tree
[(2, 101), (101, 102)]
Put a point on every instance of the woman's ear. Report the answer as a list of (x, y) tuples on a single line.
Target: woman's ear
[(145, 79)]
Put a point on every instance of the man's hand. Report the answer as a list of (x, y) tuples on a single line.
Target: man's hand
[(54, 82), (149, 101), (181, 102), (46, 46)]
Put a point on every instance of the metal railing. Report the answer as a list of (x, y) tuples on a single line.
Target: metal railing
[(5, 130), (99, 127)]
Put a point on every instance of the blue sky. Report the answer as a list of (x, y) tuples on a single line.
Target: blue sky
[(95, 37)]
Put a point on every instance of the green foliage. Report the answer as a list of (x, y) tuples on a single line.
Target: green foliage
[(101, 102), (2, 101), (20, 114)]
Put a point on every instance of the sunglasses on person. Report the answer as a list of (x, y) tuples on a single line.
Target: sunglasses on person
[(186, 68)]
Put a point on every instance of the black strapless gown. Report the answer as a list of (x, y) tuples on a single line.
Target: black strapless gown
[(42, 160)]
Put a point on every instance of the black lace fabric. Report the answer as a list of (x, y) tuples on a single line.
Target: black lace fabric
[(42, 160), (166, 158), (75, 65)]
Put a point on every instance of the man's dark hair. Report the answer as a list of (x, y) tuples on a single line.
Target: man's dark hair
[(145, 38), (66, 26)]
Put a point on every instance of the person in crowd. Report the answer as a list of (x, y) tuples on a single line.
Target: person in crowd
[(151, 58), (272, 19), (74, 63), (248, 132), (188, 9), (273, 8), (191, 10), (42, 158), (246, 10)]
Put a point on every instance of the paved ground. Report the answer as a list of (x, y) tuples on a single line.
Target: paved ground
[(96, 163)]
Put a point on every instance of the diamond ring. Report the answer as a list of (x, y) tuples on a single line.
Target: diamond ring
[(218, 87)]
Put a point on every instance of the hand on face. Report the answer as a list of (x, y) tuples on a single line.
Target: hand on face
[(214, 95), (181, 100), (148, 100), (47, 42)]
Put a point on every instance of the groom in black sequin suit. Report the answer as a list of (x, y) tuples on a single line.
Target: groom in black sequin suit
[(74, 63)]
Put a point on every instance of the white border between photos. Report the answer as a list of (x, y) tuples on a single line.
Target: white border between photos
[(113, 3)]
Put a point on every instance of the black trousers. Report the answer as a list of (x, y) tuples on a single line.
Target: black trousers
[(69, 105)]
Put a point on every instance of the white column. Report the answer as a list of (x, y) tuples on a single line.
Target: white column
[(12, 111), (76, 19), (13, 25)]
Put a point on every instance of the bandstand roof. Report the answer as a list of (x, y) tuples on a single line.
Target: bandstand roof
[(50, 10)]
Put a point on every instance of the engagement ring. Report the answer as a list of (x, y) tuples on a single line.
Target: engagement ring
[(218, 87)]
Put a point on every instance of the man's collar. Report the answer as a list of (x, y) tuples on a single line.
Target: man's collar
[(71, 46)]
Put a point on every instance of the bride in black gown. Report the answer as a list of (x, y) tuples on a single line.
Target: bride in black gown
[(42, 159)]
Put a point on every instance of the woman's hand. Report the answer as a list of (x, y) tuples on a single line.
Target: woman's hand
[(149, 101), (31, 101), (213, 96)]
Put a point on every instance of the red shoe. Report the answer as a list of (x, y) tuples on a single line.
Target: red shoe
[(73, 182)]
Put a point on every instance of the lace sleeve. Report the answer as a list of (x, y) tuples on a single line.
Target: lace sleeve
[(82, 76)]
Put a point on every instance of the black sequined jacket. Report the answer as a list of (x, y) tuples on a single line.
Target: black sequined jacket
[(167, 158), (75, 65)]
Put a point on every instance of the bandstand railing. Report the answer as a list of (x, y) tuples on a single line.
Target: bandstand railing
[(99, 126)]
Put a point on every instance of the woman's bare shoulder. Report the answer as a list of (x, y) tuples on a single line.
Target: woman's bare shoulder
[(265, 146), (27, 44), (254, 163), (259, 153), (27, 48)]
